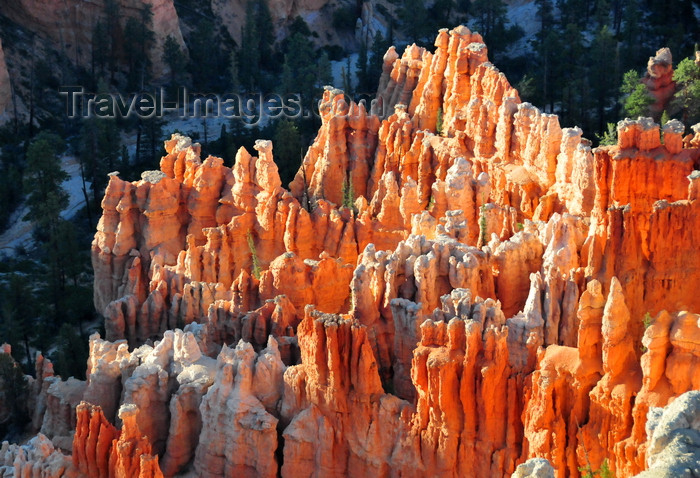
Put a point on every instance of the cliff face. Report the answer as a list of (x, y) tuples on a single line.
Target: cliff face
[(231, 14), (417, 304), (5, 89), (69, 25)]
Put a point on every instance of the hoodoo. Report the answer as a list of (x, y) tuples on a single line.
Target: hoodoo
[(491, 297)]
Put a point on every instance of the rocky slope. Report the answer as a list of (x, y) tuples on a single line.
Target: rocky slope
[(69, 25), (418, 303), (5, 89)]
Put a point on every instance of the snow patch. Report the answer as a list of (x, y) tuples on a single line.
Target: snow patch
[(337, 68), (523, 13), (19, 232)]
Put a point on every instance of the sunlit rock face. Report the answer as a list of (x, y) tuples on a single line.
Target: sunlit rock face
[(492, 298)]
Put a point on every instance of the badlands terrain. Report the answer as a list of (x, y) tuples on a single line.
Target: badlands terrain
[(454, 284)]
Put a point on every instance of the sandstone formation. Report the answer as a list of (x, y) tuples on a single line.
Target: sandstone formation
[(659, 80), (36, 459), (673, 438), (470, 303), (534, 468)]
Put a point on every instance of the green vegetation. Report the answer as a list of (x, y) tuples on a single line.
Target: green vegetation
[(175, 58), (369, 65), (483, 227), (344, 18), (647, 320), (687, 97), (255, 269), (363, 79), (11, 168), (438, 125), (13, 397), (637, 100), (415, 21), (43, 180), (249, 54), (288, 149), (603, 472), (49, 287), (609, 137), (138, 40), (300, 71), (348, 193), (488, 17), (17, 317)]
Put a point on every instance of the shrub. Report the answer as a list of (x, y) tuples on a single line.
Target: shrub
[(254, 256)]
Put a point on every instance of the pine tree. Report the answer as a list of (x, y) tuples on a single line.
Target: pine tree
[(13, 397), (233, 71), (687, 96), (266, 38), (100, 48), (71, 353), (46, 199), (98, 150), (637, 99), (203, 58), (17, 314), (287, 149), (362, 70), (44, 176), (376, 60), (547, 44), (631, 36), (415, 20), (347, 78), (174, 57), (299, 70), (602, 13), (150, 145), (124, 162), (609, 136), (249, 56), (112, 16), (441, 13), (603, 74), (138, 39), (487, 14), (10, 186), (569, 76), (325, 75)]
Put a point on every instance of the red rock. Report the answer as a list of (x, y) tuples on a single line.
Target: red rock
[(659, 80), (420, 303), (130, 455), (92, 442), (243, 440)]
